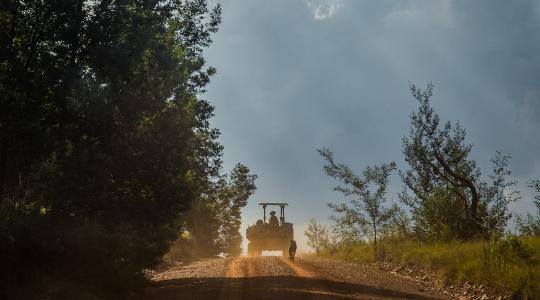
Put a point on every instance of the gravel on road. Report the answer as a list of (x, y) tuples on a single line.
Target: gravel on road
[(278, 278)]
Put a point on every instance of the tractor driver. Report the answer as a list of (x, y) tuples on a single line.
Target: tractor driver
[(273, 219)]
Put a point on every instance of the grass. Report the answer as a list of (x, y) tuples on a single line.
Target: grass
[(509, 265)]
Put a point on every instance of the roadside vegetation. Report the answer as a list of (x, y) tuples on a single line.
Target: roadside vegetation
[(510, 265), (450, 218), (107, 155)]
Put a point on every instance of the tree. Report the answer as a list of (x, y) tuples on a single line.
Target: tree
[(498, 195), (214, 222), (531, 224), (317, 235), (450, 200), (398, 224), (232, 198), (367, 213), (103, 134)]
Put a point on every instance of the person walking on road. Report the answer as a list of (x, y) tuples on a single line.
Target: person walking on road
[(292, 250)]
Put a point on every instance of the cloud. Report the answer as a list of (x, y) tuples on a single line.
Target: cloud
[(286, 87), (323, 9)]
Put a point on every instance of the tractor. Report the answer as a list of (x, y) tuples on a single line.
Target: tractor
[(271, 235)]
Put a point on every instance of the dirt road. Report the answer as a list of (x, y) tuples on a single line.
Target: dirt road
[(276, 278)]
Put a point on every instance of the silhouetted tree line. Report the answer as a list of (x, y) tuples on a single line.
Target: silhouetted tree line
[(105, 141), (447, 196)]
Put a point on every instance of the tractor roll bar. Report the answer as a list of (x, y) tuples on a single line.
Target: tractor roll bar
[(282, 210)]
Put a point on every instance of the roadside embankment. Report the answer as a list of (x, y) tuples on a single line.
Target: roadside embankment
[(509, 267)]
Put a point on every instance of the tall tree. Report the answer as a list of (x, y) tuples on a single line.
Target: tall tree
[(102, 130), (232, 197), (367, 212), (448, 193)]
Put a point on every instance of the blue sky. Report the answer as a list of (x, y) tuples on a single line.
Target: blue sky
[(297, 75)]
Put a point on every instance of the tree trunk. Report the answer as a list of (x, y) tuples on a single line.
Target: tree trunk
[(375, 241), (468, 183), (477, 223)]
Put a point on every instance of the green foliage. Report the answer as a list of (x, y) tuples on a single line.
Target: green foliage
[(398, 224), (317, 235), (213, 222), (530, 226), (497, 196), (458, 220), (231, 196), (449, 199), (366, 215), (104, 141)]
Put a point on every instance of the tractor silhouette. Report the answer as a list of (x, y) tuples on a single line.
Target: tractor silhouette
[(274, 235)]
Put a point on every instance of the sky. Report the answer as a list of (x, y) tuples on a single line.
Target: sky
[(294, 76)]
